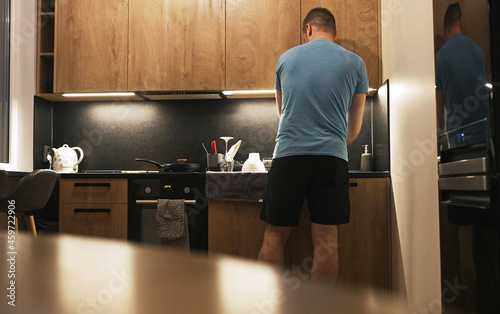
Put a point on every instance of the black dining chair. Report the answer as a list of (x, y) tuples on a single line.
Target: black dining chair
[(31, 193)]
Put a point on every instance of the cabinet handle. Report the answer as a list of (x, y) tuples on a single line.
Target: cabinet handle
[(154, 202), (92, 210), (353, 184), (79, 184)]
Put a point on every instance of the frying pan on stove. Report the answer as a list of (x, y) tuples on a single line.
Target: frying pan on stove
[(179, 166)]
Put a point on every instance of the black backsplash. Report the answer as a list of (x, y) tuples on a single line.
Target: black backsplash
[(381, 128), (112, 134), (42, 131)]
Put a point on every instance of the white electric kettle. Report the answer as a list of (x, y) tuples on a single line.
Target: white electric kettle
[(65, 159)]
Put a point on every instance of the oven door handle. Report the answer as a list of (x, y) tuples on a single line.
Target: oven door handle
[(467, 183), (466, 166), (154, 202)]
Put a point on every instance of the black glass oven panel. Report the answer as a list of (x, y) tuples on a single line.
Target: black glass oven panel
[(141, 223)]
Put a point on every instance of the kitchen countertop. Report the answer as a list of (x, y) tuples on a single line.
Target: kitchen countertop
[(369, 174), (118, 174), (131, 175), (17, 173), (115, 173), (250, 187)]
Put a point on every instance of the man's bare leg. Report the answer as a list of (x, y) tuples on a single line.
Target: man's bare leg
[(273, 245), (326, 256)]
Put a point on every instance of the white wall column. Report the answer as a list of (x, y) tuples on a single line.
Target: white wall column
[(408, 63)]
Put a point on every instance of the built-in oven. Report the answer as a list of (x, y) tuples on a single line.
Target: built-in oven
[(466, 174), (469, 220), (145, 190)]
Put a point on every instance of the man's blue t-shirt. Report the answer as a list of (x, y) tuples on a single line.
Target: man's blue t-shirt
[(461, 76), (318, 81)]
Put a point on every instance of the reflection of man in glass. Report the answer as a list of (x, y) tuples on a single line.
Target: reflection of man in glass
[(460, 76)]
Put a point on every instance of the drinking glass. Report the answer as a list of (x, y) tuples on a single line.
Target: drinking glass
[(227, 162)]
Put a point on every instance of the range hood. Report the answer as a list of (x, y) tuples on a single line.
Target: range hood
[(181, 95)]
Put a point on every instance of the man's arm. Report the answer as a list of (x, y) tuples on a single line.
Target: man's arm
[(355, 117), (278, 101), (439, 112)]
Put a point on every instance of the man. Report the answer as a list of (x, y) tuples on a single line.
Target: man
[(460, 76), (317, 85)]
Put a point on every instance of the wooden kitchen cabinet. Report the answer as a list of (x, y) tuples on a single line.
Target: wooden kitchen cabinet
[(358, 30), (364, 244), (198, 45), (94, 207), (91, 46), (176, 45), (235, 228), (258, 32), (45, 46)]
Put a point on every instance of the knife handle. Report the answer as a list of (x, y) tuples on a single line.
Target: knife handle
[(214, 147)]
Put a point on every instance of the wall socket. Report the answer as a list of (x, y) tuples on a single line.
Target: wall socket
[(46, 151)]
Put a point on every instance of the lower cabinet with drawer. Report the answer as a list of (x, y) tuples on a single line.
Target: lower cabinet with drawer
[(364, 243), (365, 256), (94, 207)]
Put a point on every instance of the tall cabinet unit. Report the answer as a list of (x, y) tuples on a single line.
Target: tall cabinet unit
[(176, 45), (358, 30), (45, 47), (91, 47), (257, 33)]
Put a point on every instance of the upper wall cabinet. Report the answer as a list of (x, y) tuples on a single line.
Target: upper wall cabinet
[(358, 30), (257, 33), (176, 45), (91, 46), (45, 47), (185, 45)]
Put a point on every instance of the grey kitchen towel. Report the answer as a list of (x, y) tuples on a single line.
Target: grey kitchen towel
[(172, 224)]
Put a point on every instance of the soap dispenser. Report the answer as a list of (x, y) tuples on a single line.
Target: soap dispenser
[(366, 160)]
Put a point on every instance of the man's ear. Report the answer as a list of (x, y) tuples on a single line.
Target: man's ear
[(308, 30)]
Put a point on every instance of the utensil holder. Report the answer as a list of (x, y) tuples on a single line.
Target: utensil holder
[(213, 161)]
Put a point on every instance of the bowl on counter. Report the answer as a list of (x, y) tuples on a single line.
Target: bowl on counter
[(253, 164)]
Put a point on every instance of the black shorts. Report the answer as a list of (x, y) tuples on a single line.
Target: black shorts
[(323, 180)]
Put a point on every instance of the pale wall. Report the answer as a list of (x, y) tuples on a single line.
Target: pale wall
[(22, 85), (408, 63)]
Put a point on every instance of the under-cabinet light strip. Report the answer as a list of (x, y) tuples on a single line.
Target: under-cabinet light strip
[(98, 94), (227, 93), (260, 91), (247, 92)]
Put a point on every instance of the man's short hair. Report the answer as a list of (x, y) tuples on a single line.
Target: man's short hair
[(322, 18), (452, 16)]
